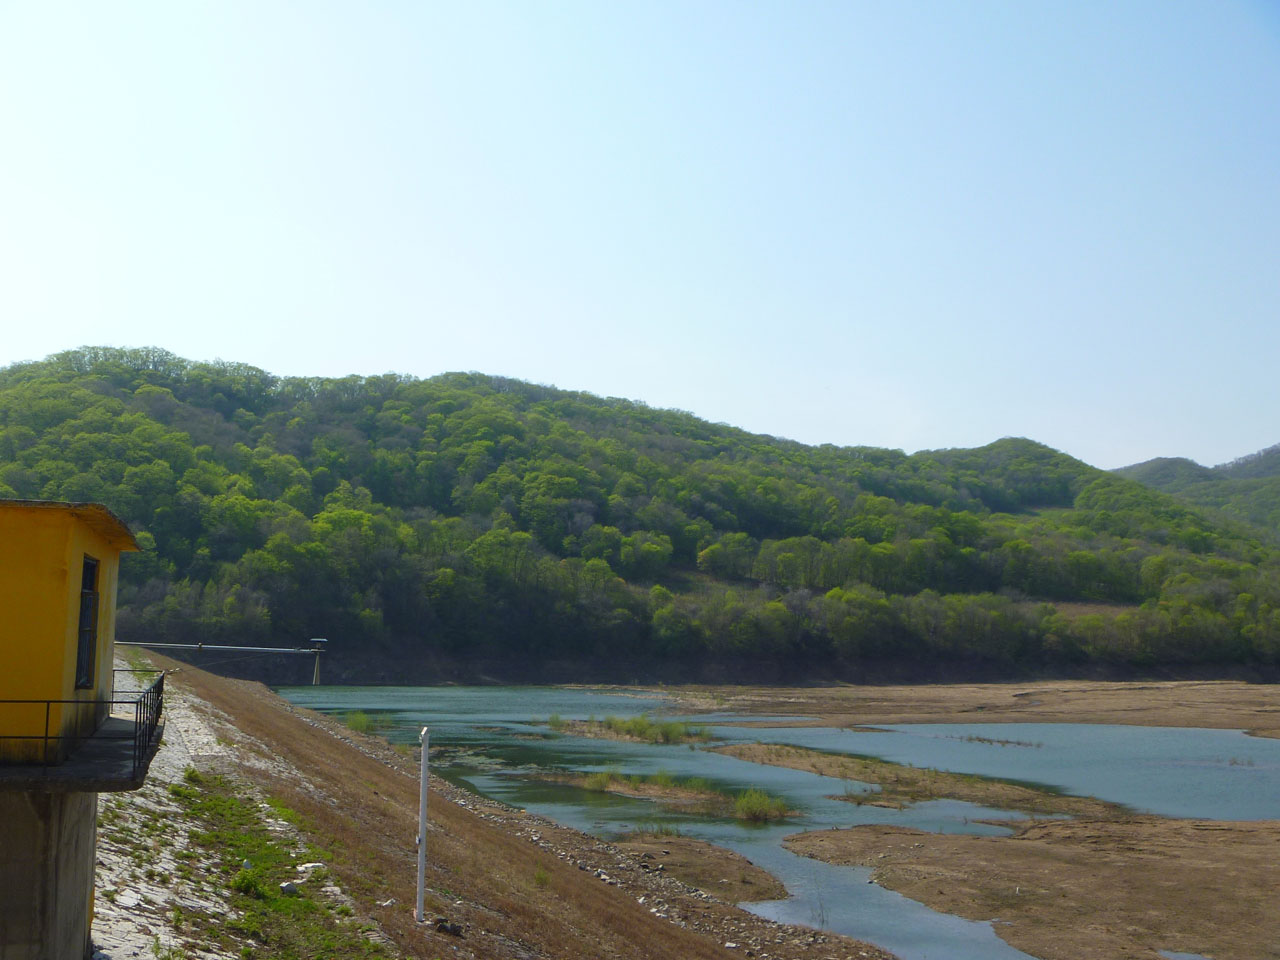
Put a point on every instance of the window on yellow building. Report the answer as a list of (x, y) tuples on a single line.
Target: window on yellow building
[(85, 652)]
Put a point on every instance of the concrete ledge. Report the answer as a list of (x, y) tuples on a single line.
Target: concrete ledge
[(101, 764)]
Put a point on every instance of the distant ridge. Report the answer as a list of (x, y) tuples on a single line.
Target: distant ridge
[(1167, 473), (1264, 463), (487, 526), (1247, 488)]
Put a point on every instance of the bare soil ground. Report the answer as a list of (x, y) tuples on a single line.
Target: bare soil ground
[(1103, 886), (519, 886), (726, 874), (1088, 889), (673, 796), (1221, 704)]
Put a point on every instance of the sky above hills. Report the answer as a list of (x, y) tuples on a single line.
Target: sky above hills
[(911, 225)]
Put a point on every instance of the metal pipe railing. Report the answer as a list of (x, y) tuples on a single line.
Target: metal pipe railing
[(148, 707)]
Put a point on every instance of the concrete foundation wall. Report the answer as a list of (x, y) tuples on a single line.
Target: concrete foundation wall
[(47, 856)]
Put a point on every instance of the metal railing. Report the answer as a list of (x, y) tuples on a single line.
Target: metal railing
[(54, 746)]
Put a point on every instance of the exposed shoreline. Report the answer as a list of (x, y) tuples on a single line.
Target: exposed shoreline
[(1086, 889), (1096, 887), (1102, 885), (516, 885), (1221, 704)]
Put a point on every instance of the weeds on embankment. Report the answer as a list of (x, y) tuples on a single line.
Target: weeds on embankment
[(361, 722), (251, 863)]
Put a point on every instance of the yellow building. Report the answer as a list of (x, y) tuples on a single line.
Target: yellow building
[(65, 735)]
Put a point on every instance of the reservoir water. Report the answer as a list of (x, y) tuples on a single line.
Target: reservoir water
[(494, 738)]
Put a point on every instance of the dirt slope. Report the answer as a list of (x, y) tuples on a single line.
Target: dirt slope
[(518, 886)]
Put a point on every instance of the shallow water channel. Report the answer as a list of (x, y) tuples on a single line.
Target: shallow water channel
[(496, 737)]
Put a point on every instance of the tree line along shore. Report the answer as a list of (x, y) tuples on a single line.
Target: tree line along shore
[(474, 518)]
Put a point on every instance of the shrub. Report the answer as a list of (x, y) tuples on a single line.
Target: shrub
[(249, 883), (358, 720), (757, 806), (643, 728)]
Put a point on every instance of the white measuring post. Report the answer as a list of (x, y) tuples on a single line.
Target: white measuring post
[(422, 830)]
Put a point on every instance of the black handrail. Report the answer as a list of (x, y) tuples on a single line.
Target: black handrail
[(147, 710), (148, 707)]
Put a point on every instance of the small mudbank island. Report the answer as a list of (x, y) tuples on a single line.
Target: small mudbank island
[(641, 729), (900, 786), (694, 794), (333, 814)]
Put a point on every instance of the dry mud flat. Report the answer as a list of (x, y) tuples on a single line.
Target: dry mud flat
[(1103, 886), (511, 886), (1222, 704), (1088, 889)]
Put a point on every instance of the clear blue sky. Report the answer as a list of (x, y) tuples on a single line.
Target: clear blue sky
[(910, 225)]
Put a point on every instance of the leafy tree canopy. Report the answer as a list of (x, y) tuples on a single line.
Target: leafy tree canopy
[(478, 516)]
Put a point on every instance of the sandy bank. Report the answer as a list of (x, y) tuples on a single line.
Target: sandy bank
[(1086, 889), (1219, 704)]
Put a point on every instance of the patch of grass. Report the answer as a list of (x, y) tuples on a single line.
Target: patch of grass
[(249, 882), (167, 953), (139, 663), (361, 722), (752, 805), (642, 727), (557, 722), (600, 781), (699, 785), (284, 813), (662, 779), (230, 830)]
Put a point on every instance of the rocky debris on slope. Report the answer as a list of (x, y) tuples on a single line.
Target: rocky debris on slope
[(147, 872), (149, 875)]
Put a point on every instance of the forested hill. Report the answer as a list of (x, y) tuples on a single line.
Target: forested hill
[(1247, 488), (471, 518)]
